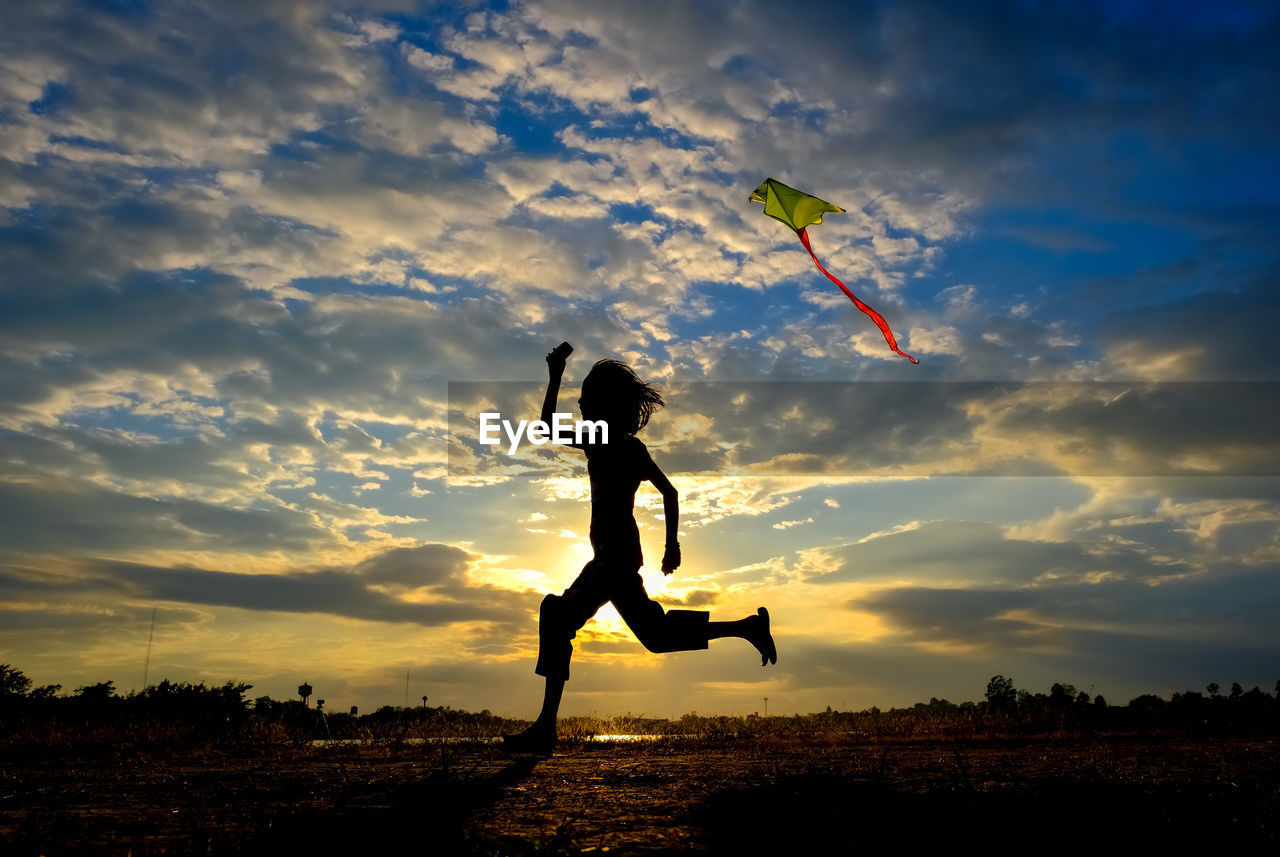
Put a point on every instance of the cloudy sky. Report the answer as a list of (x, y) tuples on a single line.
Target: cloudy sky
[(263, 264)]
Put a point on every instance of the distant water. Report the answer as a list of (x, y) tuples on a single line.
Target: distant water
[(453, 739)]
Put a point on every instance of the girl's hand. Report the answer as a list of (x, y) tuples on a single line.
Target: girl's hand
[(556, 358), (671, 558)]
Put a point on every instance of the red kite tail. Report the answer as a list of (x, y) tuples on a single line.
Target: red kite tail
[(875, 316)]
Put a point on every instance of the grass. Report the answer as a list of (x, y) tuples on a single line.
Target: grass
[(785, 786)]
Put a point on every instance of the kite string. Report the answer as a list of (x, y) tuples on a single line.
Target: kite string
[(875, 316)]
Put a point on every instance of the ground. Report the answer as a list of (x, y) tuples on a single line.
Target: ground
[(677, 795)]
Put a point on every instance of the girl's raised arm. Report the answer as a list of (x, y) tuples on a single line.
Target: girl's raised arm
[(556, 358)]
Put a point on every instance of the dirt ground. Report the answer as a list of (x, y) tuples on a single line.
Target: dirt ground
[(678, 795)]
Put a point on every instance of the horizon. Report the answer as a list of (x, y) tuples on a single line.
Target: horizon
[(1209, 692)]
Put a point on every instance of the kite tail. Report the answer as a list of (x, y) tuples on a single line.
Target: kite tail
[(875, 316)]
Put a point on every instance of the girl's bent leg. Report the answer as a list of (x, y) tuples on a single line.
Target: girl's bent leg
[(753, 629), (555, 632), (561, 616), (657, 629)]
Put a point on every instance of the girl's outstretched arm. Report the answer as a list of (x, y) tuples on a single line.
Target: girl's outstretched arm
[(671, 512), (555, 370)]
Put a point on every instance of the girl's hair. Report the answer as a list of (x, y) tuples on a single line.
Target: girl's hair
[(626, 401)]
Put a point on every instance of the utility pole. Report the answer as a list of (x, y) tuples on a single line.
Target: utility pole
[(406, 687), (146, 665)]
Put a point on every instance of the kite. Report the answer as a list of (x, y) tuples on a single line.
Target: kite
[(798, 210)]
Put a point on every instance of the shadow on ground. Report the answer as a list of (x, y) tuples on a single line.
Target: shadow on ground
[(433, 814), (236, 808), (811, 813)]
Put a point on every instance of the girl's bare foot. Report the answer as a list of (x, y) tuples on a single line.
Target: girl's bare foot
[(535, 739), (760, 637)]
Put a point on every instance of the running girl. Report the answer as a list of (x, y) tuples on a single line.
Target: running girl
[(612, 392)]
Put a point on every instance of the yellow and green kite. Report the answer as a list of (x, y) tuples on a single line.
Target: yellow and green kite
[(799, 210)]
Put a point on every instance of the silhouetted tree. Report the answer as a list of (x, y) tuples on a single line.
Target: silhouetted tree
[(13, 682), (100, 692), (1254, 702), (1148, 709), (1191, 709), (1001, 695), (1061, 695)]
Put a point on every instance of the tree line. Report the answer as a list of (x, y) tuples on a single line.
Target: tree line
[(181, 710)]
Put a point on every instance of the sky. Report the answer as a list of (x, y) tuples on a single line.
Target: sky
[(262, 266)]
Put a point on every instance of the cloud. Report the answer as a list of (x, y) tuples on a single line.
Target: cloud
[(958, 551), (166, 86), (425, 565), (1212, 336), (434, 575), (691, 599), (960, 616), (1205, 608), (52, 518)]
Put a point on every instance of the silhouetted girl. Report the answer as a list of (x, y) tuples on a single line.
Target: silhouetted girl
[(612, 392)]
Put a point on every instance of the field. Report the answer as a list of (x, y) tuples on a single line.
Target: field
[(697, 795)]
